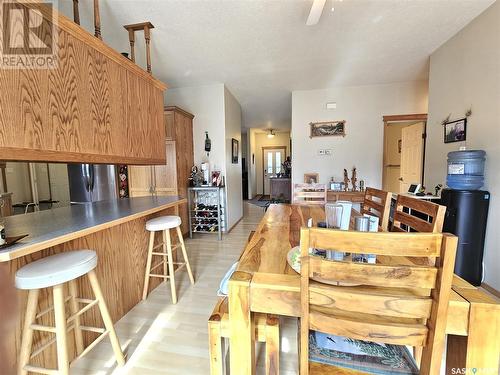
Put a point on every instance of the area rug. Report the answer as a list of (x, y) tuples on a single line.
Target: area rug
[(260, 201), (369, 357)]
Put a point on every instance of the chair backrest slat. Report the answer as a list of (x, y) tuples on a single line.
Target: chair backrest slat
[(403, 303), (378, 203), (309, 194), (404, 220), (373, 274), (378, 243)]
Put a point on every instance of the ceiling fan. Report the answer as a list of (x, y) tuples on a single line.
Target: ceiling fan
[(315, 13)]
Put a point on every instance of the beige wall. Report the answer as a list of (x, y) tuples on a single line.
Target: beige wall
[(232, 112), (465, 73), (261, 140), (363, 108)]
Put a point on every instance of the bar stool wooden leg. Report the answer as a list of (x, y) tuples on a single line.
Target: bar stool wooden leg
[(166, 238), (60, 319), (27, 339), (74, 309), (165, 257), (184, 254), (108, 323), (148, 265)]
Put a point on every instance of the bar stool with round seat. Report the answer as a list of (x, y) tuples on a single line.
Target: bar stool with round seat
[(164, 224), (53, 272)]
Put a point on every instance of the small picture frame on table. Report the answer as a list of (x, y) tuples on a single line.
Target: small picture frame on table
[(311, 178)]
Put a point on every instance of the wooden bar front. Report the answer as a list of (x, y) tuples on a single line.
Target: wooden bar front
[(122, 253)]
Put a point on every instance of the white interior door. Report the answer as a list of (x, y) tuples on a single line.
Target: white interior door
[(272, 165), (412, 156)]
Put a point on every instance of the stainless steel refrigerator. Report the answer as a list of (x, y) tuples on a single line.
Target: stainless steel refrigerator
[(92, 182)]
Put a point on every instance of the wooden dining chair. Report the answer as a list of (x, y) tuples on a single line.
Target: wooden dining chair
[(409, 212), (377, 203), (386, 306), (309, 194)]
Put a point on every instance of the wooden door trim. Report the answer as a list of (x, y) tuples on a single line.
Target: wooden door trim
[(401, 118), (264, 148)]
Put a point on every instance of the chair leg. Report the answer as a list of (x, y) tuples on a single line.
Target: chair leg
[(148, 265), (74, 309), (108, 323), (27, 338), (215, 348), (60, 319), (272, 345), (167, 240), (184, 254)]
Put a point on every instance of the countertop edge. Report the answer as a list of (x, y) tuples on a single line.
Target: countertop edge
[(30, 249)]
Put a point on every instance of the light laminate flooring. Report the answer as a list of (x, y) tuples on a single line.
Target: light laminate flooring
[(161, 338)]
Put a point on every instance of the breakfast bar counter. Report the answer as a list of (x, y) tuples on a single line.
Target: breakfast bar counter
[(115, 230), (59, 225)]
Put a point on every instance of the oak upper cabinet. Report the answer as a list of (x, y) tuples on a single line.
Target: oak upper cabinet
[(95, 106), (179, 125), (159, 180)]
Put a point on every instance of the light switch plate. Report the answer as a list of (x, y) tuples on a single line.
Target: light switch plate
[(328, 152), (321, 152)]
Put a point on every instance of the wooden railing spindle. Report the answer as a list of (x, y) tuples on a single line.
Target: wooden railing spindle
[(76, 12), (97, 20)]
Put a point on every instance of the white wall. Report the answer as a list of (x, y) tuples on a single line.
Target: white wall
[(261, 140), (206, 103), (362, 107), (217, 111), (465, 73), (234, 194)]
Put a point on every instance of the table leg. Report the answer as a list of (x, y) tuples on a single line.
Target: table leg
[(480, 348), (242, 333)]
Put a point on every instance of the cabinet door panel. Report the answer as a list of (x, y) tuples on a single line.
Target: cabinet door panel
[(166, 175), (140, 181)]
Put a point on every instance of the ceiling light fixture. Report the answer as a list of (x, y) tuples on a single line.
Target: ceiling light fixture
[(270, 133)]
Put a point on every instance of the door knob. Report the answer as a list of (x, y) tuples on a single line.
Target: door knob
[(400, 178)]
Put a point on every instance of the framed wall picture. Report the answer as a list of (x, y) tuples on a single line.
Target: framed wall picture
[(455, 131), (327, 129), (311, 178), (235, 145)]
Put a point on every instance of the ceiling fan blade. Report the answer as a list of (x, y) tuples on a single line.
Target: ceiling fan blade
[(315, 13)]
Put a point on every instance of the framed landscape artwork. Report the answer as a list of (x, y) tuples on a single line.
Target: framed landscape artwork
[(327, 129), (455, 131)]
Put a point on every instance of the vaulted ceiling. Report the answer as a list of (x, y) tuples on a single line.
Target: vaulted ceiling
[(262, 49)]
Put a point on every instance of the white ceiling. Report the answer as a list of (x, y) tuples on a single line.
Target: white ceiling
[(262, 49)]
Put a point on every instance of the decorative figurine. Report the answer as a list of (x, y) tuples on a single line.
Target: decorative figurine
[(437, 189), (361, 185), (346, 180), (354, 179)]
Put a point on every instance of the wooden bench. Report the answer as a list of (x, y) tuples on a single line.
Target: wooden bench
[(267, 329)]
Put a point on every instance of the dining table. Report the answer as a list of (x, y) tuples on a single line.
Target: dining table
[(264, 282)]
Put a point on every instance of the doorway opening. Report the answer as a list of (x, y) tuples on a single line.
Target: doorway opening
[(272, 159), (404, 151)]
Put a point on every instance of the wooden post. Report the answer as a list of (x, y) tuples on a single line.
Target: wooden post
[(97, 20), (131, 39), (76, 12), (147, 37), (146, 27), (242, 334)]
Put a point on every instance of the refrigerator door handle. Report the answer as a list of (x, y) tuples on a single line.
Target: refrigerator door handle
[(91, 177), (86, 175)]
